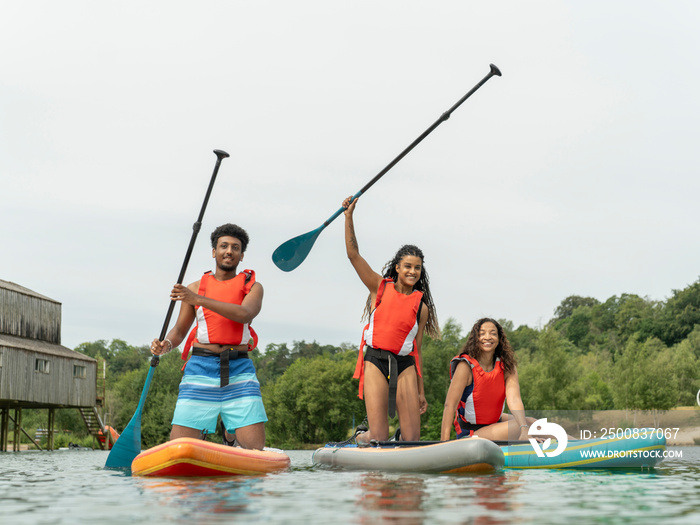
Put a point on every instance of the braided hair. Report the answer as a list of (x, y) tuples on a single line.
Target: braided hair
[(432, 327), (503, 351)]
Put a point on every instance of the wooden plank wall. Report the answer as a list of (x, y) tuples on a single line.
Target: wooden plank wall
[(20, 381), (28, 316)]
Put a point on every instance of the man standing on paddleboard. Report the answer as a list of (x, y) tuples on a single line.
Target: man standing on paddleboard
[(219, 378)]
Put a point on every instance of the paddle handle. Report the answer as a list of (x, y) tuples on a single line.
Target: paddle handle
[(292, 253), (494, 71), (220, 155)]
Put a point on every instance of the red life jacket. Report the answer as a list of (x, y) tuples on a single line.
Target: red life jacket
[(393, 326), (483, 401), (213, 328)]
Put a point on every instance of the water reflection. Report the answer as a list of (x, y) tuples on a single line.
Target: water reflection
[(485, 499), (72, 487), (385, 499), (482, 499), (213, 498)]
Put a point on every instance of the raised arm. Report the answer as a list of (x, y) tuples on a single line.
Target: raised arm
[(369, 277), (461, 379)]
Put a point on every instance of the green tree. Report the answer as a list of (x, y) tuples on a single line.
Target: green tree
[(577, 327), (685, 367), (693, 341), (94, 349), (591, 390), (272, 363), (644, 378), (277, 357), (437, 354), (159, 405), (568, 305), (523, 338), (313, 401), (125, 358), (635, 315), (120, 356), (680, 314), (548, 374)]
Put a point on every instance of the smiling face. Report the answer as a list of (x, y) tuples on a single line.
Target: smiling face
[(409, 269), (488, 338), (228, 253)]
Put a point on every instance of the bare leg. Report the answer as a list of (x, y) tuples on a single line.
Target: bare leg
[(505, 430), (184, 432), (251, 436), (407, 405), (376, 396)]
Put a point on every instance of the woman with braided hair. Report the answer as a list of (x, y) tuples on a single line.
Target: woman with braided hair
[(400, 309)]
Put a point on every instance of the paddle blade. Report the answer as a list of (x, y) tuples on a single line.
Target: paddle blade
[(293, 252), (128, 446)]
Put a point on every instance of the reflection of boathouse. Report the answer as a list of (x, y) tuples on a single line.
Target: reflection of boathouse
[(35, 370)]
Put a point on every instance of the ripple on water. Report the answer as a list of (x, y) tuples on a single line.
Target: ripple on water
[(68, 487)]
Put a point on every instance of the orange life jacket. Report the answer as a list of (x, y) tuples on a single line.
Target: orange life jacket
[(213, 328), (393, 326), (483, 401)]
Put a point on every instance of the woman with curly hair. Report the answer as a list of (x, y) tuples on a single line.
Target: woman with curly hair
[(400, 309), (483, 376)]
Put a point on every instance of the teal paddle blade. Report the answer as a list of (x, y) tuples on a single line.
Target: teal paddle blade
[(128, 446), (292, 253)]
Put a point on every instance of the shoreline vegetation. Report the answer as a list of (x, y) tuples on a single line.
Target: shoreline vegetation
[(628, 354)]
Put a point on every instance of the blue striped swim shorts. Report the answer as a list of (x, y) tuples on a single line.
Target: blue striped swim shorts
[(201, 398)]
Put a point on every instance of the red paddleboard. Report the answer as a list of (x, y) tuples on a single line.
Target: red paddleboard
[(187, 457)]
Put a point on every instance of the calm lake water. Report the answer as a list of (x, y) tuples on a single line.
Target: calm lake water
[(71, 487)]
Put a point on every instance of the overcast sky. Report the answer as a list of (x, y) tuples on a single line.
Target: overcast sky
[(576, 172)]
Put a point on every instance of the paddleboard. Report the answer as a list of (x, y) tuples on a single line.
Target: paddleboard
[(448, 457), (620, 453), (187, 457)]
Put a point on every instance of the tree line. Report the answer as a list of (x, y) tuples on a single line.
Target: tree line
[(628, 352)]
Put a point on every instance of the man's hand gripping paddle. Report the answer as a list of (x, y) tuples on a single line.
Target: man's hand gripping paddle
[(293, 252), (128, 446)]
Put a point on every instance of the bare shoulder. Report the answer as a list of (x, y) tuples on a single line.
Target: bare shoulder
[(463, 372), (423, 313), (194, 286), (511, 377), (512, 373)]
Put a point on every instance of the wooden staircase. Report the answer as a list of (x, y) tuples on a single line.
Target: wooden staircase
[(90, 415), (94, 424)]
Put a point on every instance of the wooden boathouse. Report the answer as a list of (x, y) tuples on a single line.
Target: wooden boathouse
[(35, 370)]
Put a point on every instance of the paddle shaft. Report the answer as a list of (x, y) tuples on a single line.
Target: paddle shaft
[(494, 71), (128, 446), (290, 254), (220, 155)]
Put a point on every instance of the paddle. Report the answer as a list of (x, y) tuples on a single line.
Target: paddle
[(292, 253), (128, 446)]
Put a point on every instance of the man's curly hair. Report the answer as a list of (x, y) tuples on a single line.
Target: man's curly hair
[(230, 230)]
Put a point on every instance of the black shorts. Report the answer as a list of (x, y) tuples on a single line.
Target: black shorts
[(467, 429), (402, 361)]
